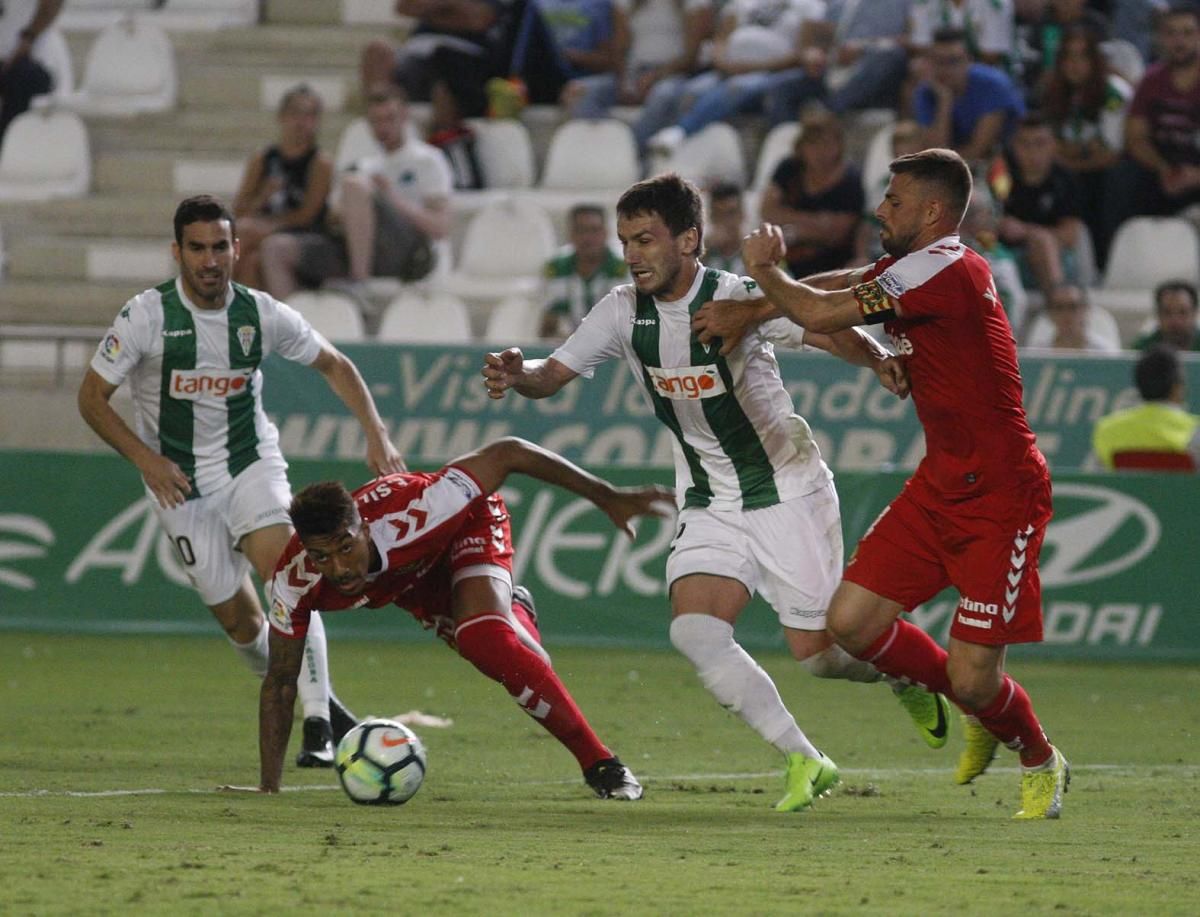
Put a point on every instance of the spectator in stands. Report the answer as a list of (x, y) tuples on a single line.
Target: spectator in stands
[(581, 273), (394, 209), (1161, 424), (968, 106), (475, 39), (663, 52), (857, 59), (1047, 36), (1160, 174), (1041, 220), (1070, 322), (591, 35), (758, 43), (987, 27), (23, 73), (816, 195), (284, 187), (453, 97), (1175, 308), (726, 229), (1086, 105), (980, 230)]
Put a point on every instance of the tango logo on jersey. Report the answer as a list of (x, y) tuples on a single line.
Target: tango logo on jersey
[(687, 383), (194, 384), (111, 348)]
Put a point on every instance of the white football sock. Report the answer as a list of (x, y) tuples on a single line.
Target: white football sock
[(835, 662), (312, 684), (738, 682), (254, 653)]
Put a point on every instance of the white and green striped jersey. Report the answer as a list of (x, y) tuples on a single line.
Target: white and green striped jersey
[(195, 378), (738, 442)]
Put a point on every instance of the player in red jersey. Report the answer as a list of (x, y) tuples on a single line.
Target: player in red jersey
[(440, 546), (974, 513)]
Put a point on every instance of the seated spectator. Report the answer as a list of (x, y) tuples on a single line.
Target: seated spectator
[(450, 132), (758, 42), (1040, 201), (726, 229), (816, 195), (980, 231), (1070, 322), (581, 273), (591, 35), (987, 27), (1175, 308), (967, 106), (666, 37), (856, 58), (475, 39), (394, 209), (23, 72), (1160, 174), (1161, 423), (285, 187), (1086, 105), (1047, 36)]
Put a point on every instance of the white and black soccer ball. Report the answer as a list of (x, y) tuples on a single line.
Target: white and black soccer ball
[(380, 763)]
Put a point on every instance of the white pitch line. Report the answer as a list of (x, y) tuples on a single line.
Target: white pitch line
[(864, 772)]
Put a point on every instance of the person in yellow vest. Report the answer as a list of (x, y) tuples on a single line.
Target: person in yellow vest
[(1161, 424)]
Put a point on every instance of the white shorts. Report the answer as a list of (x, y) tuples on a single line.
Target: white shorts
[(206, 531), (791, 553)]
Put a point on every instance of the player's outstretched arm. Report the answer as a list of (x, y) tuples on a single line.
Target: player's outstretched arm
[(276, 701), (858, 348), (511, 455), (343, 377), (531, 378)]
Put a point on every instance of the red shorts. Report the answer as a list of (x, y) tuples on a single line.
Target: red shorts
[(986, 548), (484, 542)]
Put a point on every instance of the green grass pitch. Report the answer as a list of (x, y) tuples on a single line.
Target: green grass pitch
[(111, 749)]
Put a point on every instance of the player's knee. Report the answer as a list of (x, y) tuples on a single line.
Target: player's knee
[(973, 688), (700, 637)]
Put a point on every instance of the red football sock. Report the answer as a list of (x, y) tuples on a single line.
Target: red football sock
[(905, 651), (1010, 718), (489, 643), (527, 622)]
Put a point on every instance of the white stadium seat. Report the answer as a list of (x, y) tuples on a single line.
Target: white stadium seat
[(431, 318), (503, 252), (1145, 252), (591, 155), (505, 153), (710, 156), (875, 164), (513, 321), (46, 154), (130, 69), (55, 55), (776, 147), (334, 314)]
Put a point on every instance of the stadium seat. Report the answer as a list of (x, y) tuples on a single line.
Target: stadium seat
[(505, 153), (875, 164), (55, 55), (356, 142), (1145, 252), (1147, 460), (334, 314), (209, 14), (513, 321), (46, 154), (589, 155), (712, 155), (130, 69), (1124, 59), (776, 147), (425, 318), (503, 252)]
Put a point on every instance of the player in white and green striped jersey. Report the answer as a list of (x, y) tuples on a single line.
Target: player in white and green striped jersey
[(190, 351), (758, 511)]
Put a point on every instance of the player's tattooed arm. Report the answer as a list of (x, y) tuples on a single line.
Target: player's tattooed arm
[(276, 702)]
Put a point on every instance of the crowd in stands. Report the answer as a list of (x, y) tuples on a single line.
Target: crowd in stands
[(1076, 117)]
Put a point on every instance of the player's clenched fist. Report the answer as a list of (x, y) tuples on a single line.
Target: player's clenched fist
[(501, 371), (763, 247)]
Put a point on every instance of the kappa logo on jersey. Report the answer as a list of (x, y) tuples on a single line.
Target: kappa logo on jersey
[(687, 383), (195, 384), (245, 336), (111, 348)]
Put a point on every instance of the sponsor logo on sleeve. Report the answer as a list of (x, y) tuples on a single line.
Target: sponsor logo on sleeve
[(201, 384), (281, 618), (687, 383), (891, 284), (110, 349)]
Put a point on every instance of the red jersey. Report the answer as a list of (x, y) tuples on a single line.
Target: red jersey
[(413, 520), (962, 363)]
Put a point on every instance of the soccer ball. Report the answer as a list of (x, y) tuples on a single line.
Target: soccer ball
[(380, 763)]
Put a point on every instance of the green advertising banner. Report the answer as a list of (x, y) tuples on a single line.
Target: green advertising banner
[(80, 550), (435, 405)]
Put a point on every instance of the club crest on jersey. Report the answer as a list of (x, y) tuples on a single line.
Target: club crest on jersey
[(245, 336), (687, 383), (195, 384)]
